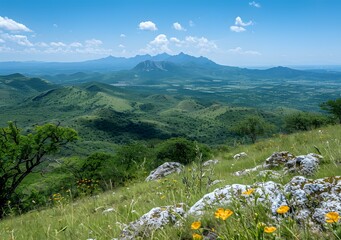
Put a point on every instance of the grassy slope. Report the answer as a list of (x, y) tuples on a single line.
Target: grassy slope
[(83, 218)]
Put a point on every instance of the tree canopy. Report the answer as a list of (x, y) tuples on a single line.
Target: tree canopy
[(333, 107), (21, 153)]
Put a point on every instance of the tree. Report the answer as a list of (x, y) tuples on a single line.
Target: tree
[(253, 127), (180, 150), (333, 107), (20, 154), (304, 121)]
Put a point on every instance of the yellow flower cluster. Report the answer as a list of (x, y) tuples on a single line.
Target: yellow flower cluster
[(223, 213)]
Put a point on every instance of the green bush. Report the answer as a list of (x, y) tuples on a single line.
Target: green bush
[(304, 121), (180, 150)]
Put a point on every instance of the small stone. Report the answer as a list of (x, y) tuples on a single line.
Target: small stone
[(240, 155), (210, 162)]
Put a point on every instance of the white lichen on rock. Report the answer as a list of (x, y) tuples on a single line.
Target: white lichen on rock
[(164, 170), (154, 219)]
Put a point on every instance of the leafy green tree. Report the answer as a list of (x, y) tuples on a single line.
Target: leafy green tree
[(304, 121), (180, 150), (253, 127), (20, 154), (333, 107)]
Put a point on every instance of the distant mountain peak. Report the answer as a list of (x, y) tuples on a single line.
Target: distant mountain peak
[(149, 66)]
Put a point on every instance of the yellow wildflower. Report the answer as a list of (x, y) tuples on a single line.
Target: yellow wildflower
[(249, 191), (196, 236), (269, 229), (283, 209), (196, 225), (332, 217), (218, 212), (223, 214)]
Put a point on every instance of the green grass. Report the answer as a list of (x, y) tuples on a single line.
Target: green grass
[(83, 218)]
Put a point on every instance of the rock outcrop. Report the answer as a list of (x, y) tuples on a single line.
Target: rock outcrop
[(278, 159), (164, 170), (224, 196), (309, 200), (303, 164), (154, 219)]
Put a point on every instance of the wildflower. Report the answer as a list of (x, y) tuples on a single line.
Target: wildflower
[(223, 214), (196, 236), (332, 217), (283, 209), (196, 225), (218, 212), (269, 229), (249, 191)]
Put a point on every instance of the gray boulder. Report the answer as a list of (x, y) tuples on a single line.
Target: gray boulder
[(154, 219), (164, 170), (304, 164), (224, 196), (278, 159)]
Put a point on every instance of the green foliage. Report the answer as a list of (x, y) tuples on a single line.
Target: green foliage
[(21, 154), (180, 150), (304, 121), (333, 107), (253, 127)]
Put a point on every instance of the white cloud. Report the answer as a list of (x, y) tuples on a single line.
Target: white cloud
[(2, 41), (11, 25), (55, 25), (76, 44), (237, 29), (93, 42), (239, 22), (5, 49), (239, 50), (57, 44), (240, 25), (202, 43), (174, 40), (191, 23), (121, 46), (18, 39), (42, 44), (177, 26), (158, 45), (122, 35), (148, 26), (254, 4)]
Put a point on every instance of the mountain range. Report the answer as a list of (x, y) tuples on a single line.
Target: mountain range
[(106, 64)]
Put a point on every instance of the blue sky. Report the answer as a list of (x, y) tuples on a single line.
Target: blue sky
[(230, 32)]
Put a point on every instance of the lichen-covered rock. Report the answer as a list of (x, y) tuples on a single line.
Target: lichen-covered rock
[(247, 171), (266, 191), (278, 159), (164, 170), (239, 155), (210, 162), (304, 164), (312, 199), (154, 219)]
